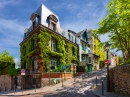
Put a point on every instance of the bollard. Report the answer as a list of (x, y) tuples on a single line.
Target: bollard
[(14, 89), (35, 88), (96, 81), (74, 79), (88, 74), (102, 87), (0, 88), (62, 80), (5, 86)]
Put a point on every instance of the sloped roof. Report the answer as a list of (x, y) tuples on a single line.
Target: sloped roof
[(79, 33)]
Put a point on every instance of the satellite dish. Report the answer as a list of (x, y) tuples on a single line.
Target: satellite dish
[(26, 30)]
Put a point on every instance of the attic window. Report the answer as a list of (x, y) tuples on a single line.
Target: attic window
[(34, 19), (52, 22), (53, 26)]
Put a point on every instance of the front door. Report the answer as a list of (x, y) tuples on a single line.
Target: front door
[(18, 82), (89, 67)]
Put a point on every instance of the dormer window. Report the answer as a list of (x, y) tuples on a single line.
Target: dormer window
[(70, 37), (52, 24), (34, 19)]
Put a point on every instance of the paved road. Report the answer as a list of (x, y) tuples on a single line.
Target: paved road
[(63, 94), (80, 88)]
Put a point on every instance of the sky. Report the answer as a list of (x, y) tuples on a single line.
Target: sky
[(76, 15)]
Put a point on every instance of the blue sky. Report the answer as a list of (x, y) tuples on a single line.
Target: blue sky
[(73, 14)]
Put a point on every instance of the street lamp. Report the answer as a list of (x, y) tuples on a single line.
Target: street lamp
[(107, 46)]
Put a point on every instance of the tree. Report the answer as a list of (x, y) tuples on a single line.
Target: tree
[(7, 65), (116, 23)]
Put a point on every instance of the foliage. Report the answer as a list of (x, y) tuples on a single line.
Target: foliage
[(98, 48), (44, 52), (120, 60), (7, 65), (116, 24), (80, 69)]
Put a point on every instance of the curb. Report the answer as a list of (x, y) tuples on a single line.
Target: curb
[(26, 94)]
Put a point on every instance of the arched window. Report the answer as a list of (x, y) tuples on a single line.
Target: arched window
[(34, 64)]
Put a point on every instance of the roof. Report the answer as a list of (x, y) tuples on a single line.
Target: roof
[(79, 33)]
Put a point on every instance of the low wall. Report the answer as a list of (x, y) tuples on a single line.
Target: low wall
[(57, 75), (6, 82), (120, 79)]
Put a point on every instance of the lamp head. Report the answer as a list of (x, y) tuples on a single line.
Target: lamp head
[(107, 46)]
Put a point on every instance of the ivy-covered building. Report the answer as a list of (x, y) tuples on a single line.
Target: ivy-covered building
[(46, 46)]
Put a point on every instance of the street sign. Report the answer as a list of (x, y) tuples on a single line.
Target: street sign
[(64, 67), (106, 62), (22, 71)]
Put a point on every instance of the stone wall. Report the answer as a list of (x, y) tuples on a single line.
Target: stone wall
[(120, 79), (30, 81), (6, 82)]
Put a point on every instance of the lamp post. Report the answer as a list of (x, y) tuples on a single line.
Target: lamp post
[(107, 46)]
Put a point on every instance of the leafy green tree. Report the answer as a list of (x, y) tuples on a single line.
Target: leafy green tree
[(7, 65), (116, 24)]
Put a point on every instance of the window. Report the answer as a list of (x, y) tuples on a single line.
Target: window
[(53, 45), (26, 66), (53, 26), (73, 51), (83, 58), (34, 24), (53, 64), (33, 44), (34, 65), (95, 60), (37, 21), (89, 60), (34, 19), (83, 47), (24, 51), (83, 37), (70, 37)]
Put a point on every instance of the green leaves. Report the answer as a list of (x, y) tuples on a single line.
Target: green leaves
[(116, 23), (5, 62)]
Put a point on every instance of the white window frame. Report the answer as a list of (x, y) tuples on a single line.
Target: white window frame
[(35, 65), (54, 48), (55, 63)]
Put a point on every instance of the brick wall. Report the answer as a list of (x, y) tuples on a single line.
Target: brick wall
[(120, 79), (57, 75)]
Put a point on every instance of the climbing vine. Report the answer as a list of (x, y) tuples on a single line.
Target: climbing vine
[(43, 49)]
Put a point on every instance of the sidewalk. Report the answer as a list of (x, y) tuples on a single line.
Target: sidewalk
[(98, 92), (45, 89)]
